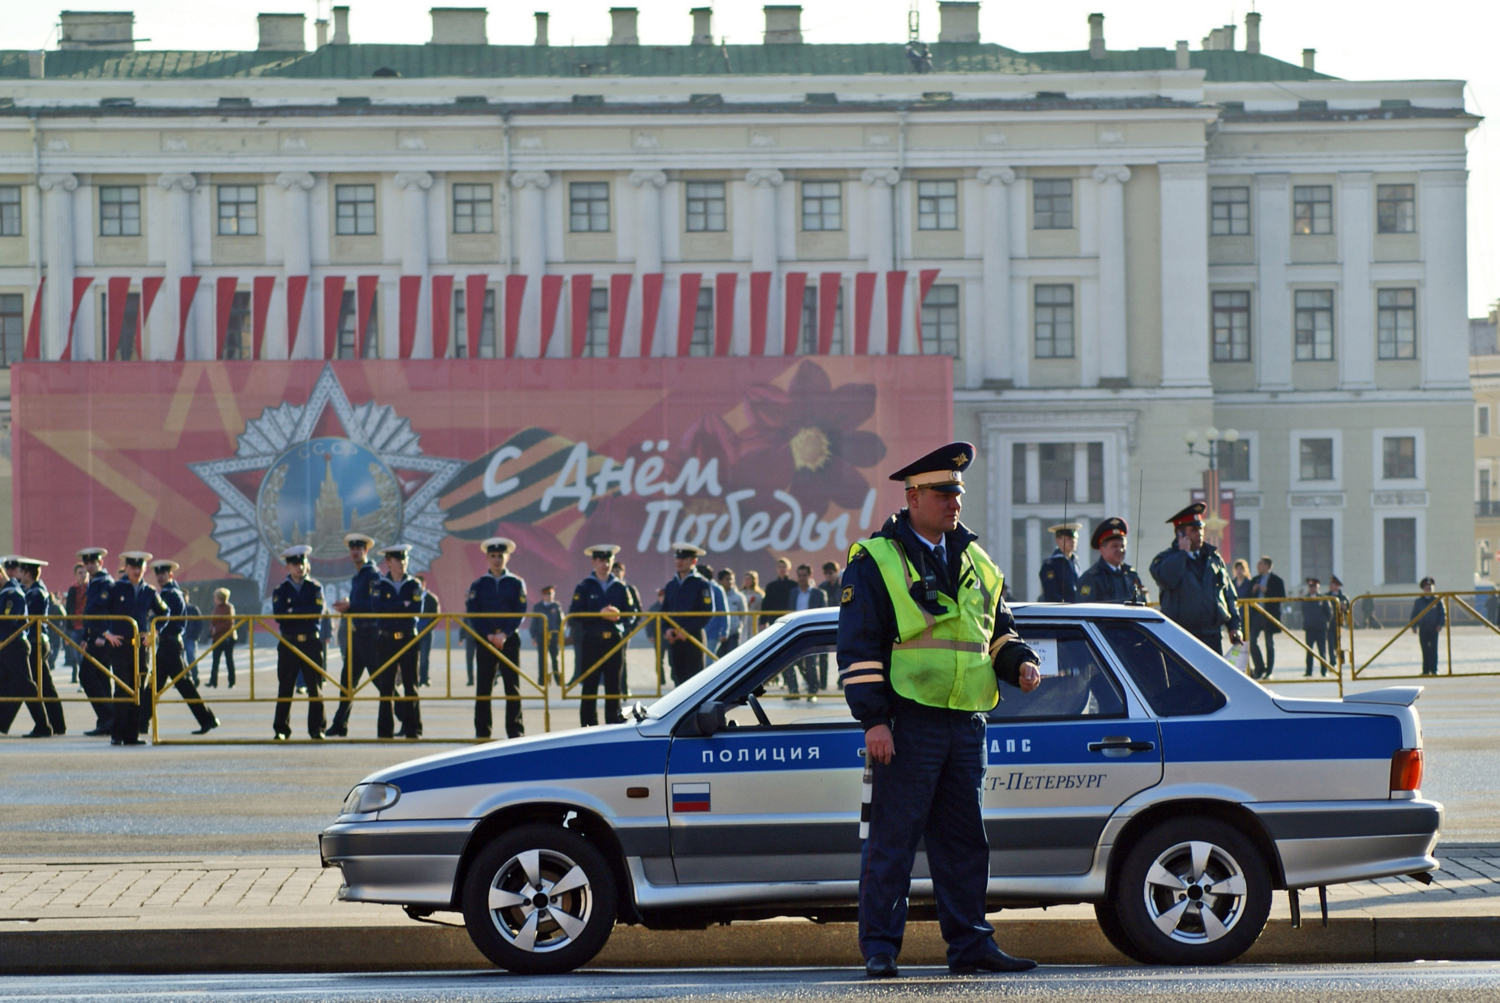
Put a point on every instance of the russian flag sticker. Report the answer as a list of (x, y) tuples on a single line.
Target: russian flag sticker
[(690, 797)]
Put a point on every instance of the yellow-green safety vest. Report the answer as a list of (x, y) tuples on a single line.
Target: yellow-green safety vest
[(941, 660)]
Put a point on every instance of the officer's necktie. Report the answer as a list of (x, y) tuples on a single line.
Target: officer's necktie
[(942, 558)]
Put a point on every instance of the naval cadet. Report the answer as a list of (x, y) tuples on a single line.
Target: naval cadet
[(1197, 592), (924, 636), (93, 670), (498, 591), (362, 652), (1059, 573), (687, 592), (599, 640), (17, 674), (402, 595), (131, 597), (1110, 579), (296, 601), (39, 603), (171, 664)]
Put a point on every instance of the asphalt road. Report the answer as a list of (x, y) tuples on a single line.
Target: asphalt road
[(1431, 983)]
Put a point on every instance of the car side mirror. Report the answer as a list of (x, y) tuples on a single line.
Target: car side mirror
[(711, 718)]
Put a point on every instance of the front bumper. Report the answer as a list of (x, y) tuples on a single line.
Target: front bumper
[(1331, 842), (402, 863)]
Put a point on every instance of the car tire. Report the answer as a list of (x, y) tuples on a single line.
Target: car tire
[(539, 900), (1114, 930), (1192, 891)]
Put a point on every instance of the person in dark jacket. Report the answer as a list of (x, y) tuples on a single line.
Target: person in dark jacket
[(362, 644), (778, 598), (1110, 579), (171, 668), (39, 603), (17, 669), (598, 641), (431, 607), (1265, 585), (1427, 611), (1196, 591), (1059, 573), (400, 594), (133, 598), (546, 634), (1316, 618), (92, 673), (498, 591), (687, 592), (298, 597)]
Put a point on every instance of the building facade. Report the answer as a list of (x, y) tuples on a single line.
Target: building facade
[(1114, 247), (1484, 373)]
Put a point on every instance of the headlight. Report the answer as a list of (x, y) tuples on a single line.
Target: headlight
[(366, 798)]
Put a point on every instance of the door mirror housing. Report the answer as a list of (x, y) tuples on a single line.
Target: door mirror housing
[(710, 717)]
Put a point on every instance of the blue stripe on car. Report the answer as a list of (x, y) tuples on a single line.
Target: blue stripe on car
[(633, 757), (1305, 736)]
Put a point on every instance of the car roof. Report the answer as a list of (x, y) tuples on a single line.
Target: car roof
[(1023, 611)]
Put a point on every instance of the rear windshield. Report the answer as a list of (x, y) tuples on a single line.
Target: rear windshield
[(1171, 686)]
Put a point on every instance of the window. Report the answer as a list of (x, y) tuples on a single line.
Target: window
[(1232, 327), (461, 347), (1170, 685), (1314, 323), (703, 325), (940, 321), (1096, 472), (348, 320), (1400, 551), (354, 213), (1082, 686), (596, 345), (803, 653), (10, 211), (130, 326), (1052, 204), (1018, 474), (705, 206), (237, 211), (1482, 420), (1230, 212), (1396, 324), (822, 205), (1317, 549), (1054, 322), (1234, 460), (12, 327), (119, 211), (1312, 209), (1484, 485), (1015, 582), (1399, 458), (473, 208), (1240, 537), (937, 205), (588, 206), (1315, 459), (807, 343), (237, 344), (1055, 471), (1395, 208)]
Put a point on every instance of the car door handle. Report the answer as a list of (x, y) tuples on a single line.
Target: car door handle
[(1121, 742)]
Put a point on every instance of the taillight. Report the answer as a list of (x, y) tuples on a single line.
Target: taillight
[(1406, 769)]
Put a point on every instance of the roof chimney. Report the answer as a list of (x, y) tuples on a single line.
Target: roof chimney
[(1229, 30), (1216, 39), (622, 26), (1096, 36), (320, 31), (459, 26), (1309, 56), (703, 25), (98, 31), (340, 26), (783, 25), (958, 21), (1252, 33), (541, 28), (36, 64), (282, 32), (1184, 58)]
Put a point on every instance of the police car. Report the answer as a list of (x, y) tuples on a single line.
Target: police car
[(1145, 776)]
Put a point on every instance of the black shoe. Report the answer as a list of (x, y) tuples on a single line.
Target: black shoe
[(997, 962), (97, 732), (115, 741), (881, 966), (337, 731), (38, 733), (205, 729), (129, 741), (281, 736)]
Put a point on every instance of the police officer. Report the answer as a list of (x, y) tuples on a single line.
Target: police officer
[(499, 591), (94, 658), (401, 594), (363, 649), (131, 597), (922, 578), (1196, 590), (38, 603), (1059, 572), (17, 670), (1110, 579), (301, 649), (171, 665), (687, 592), (598, 640)]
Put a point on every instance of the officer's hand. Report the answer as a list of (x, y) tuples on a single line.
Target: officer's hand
[(342, 606), (1031, 677), (671, 635), (611, 613), (1184, 543), (880, 746), (1234, 637)]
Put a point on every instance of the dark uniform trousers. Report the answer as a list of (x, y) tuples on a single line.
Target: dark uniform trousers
[(934, 776), (51, 701), (1427, 640), (131, 711), (288, 666), (598, 636), (96, 684), (484, 685), (362, 656), (17, 679), (402, 671), (685, 657), (170, 665)]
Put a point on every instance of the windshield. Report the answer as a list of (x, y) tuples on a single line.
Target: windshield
[(711, 673)]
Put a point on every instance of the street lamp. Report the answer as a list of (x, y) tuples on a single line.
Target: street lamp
[(1212, 437)]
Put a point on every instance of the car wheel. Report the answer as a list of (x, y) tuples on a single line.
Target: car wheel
[(539, 900), (1193, 891), (1114, 930)]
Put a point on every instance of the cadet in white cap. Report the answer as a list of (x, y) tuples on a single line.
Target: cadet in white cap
[(171, 665), (297, 599), (92, 674), (687, 592), (363, 648), (39, 603), (401, 594), (131, 598), (498, 591), (17, 678), (597, 639), (1059, 573)]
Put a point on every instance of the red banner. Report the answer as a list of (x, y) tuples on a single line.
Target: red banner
[(796, 287), (552, 287), (864, 302), (895, 292), (263, 287), (411, 298), (442, 314), (150, 286), (117, 291), (724, 285), (687, 310), (33, 346), (186, 290), (583, 288), (80, 289), (515, 295), (651, 284), (333, 305), (619, 303), (220, 466), (223, 309), (364, 305), (828, 305), (296, 296)]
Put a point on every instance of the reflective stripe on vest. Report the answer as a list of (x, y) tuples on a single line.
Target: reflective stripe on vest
[(941, 659)]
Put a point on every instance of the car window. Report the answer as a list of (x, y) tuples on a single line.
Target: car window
[(1075, 682), (765, 688), (1171, 686), (710, 676)]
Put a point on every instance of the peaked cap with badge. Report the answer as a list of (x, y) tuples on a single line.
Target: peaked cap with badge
[(941, 470), (1108, 530), (1190, 516)]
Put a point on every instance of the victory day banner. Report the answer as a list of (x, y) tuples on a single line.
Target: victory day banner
[(222, 465)]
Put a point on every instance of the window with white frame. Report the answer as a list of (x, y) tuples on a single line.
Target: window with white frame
[(237, 342), (588, 206), (354, 210), (1398, 455), (705, 207), (237, 211), (485, 349), (119, 211), (10, 210), (1317, 549), (12, 328), (937, 205), (473, 208), (1053, 321), (1395, 208), (1314, 325), (1231, 309), (822, 205), (807, 341), (1396, 324), (1234, 460), (349, 322), (703, 325), (1482, 420), (597, 344), (1312, 209), (1052, 204), (940, 321), (1229, 212), (1315, 459), (1399, 537)]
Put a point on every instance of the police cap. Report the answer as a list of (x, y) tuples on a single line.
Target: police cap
[(686, 550), (603, 551), (498, 545), (1107, 530), (942, 469), (299, 553), (358, 540), (1190, 516)]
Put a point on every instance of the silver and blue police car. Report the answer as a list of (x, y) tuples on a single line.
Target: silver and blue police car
[(1145, 776)]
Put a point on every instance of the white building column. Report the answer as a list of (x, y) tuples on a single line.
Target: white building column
[(1355, 323), (415, 259), (648, 233), (166, 315), (296, 256), (1271, 320), (764, 241), (57, 222), (989, 350), (1112, 328), (531, 254), (880, 236), (1442, 302), (1184, 275)]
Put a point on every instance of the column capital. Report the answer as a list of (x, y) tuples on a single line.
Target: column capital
[(64, 182), (656, 179), (887, 176), (1111, 173), (995, 175), (179, 180), (421, 180), (300, 180), (530, 179), (764, 178)]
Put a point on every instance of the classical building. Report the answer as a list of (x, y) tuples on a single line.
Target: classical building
[(1115, 247), (1484, 374)]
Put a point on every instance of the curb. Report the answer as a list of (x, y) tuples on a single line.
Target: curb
[(765, 944)]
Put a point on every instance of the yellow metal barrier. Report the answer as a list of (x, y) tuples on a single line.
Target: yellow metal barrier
[(13, 628), (1443, 600), (1338, 621)]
